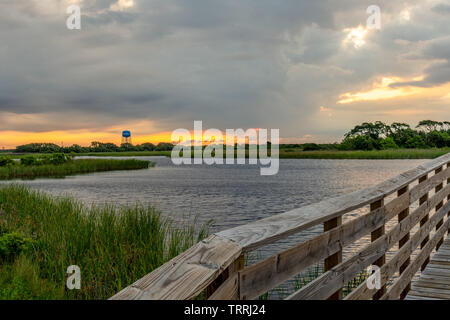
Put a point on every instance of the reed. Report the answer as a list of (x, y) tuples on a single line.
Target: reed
[(19, 171), (113, 246)]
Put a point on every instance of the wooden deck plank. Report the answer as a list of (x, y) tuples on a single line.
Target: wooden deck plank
[(434, 282)]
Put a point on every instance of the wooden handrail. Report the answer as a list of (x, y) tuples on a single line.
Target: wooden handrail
[(216, 262)]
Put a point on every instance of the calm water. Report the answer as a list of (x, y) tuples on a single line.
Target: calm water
[(231, 195)]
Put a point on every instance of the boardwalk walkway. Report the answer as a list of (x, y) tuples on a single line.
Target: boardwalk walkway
[(388, 213), (434, 282)]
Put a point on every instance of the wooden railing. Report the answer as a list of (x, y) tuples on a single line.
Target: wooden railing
[(418, 199)]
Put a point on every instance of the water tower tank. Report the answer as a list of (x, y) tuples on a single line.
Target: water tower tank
[(126, 137), (126, 134)]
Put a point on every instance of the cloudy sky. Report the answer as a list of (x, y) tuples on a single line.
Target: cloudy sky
[(310, 68)]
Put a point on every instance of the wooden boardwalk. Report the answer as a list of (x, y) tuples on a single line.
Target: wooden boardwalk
[(388, 213), (434, 282)]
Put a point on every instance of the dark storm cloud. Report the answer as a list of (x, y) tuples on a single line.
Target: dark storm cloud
[(234, 63), (438, 52), (442, 8)]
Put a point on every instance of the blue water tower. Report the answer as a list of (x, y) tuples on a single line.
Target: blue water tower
[(126, 137)]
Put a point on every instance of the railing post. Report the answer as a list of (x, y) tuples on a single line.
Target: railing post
[(403, 215), (448, 197), (438, 206), (374, 236), (424, 220), (334, 259), (234, 268)]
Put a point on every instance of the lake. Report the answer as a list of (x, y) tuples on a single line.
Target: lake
[(230, 195)]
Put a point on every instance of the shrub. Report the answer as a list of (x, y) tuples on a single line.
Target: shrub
[(21, 280), (5, 161), (57, 158), (388, 143), (12, 244), (29, 161), (415, 142), (438, 139), (311, 147), (164, 146), (359, 143)]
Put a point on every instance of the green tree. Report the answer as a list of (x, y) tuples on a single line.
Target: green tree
[(388, 143), (415, 142)]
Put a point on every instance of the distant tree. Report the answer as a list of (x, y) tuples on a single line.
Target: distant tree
[(415, 142), (388, 143), (429, 125), (398, 127), (164, 146), (372, 130), (147, 146), (311, 147), (438, 139), (446, 125), (38, 148)]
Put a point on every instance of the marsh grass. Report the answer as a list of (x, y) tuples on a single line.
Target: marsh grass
[(18, 171), (320, 154), (113, 246), (374, 154), (297, 153)]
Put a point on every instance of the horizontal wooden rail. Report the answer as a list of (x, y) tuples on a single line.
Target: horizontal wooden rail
[(215, 265)]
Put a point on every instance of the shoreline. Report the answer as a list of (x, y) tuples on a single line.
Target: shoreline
[(289, 153)]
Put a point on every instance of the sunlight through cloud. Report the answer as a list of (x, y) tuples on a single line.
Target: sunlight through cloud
[(355, 36)]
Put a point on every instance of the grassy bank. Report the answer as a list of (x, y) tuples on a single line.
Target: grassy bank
[(286, 153), (374, 154), (297, 153), (20, 171), (40, 236), (128, 154)]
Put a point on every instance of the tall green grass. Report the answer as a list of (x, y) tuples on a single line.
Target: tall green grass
[(18, 171), (113, 246)]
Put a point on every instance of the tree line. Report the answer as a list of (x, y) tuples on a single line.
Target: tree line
[(378, 135), (366, 136), (94, 147)]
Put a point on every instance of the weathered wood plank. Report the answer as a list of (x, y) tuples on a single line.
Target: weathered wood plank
[(264, 275), (430, 294), (389, 269), (404, 240), (350, 268), (419, 190), (229, 290), (185, 276), (335, 258), (373, 237), (432, 284), (398, 286)]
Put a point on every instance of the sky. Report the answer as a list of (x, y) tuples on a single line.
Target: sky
[(309, 68)]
